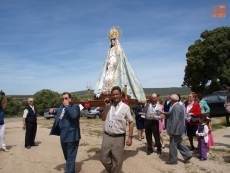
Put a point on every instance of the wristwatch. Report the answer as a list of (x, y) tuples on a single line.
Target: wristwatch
[(131, 137)]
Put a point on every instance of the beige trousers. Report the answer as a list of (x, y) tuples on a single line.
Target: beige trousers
[(112, 152)]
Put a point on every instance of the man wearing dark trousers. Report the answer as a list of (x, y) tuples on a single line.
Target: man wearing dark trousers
[(66, 125), (152, 115), (30, 123), (167, 105)]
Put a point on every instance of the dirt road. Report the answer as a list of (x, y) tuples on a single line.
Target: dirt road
[(48, 157)]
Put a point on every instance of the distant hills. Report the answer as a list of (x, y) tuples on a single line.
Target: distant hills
[(150, 91)]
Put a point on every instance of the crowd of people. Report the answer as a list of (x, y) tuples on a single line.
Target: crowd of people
[(177, 117)]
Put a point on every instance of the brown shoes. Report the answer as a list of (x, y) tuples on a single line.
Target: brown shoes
[(187, 160), (171, 163)]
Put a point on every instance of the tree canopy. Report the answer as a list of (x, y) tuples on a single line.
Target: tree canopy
[(45, 99), (208, 61), (48, 99)]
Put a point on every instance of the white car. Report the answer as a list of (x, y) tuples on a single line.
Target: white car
[(47, 115), (93, 113)]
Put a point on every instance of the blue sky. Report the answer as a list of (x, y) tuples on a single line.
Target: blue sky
[(61, 45)]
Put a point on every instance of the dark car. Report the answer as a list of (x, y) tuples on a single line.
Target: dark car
[(216, 102)]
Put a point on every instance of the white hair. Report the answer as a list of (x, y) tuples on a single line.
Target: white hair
[(174, 97), (30, 99)]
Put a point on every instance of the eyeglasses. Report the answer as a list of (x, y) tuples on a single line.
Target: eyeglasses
[(31, 101), (65, 98)]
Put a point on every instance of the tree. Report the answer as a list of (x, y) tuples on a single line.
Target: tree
[(14, 107), (75, 97), (49, 99), (46, 99), (208, 61)]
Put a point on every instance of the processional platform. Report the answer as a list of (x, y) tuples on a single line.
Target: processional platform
[(100, 101)]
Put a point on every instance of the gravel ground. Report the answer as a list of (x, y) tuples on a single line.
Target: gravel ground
[(48, 157)]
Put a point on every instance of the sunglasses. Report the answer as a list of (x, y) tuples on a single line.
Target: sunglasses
[(31, 101), (65, 98)]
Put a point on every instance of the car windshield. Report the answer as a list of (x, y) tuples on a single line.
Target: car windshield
[(223, 98)]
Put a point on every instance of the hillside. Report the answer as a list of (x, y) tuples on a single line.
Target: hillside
[(149, 91)]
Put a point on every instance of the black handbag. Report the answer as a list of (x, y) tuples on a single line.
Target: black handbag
[(194, 119)]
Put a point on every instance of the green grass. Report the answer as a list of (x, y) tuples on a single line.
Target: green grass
[(217, 126), (220, 150)]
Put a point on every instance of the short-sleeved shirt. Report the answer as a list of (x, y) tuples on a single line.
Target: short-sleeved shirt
[(153, 110), (116, 124)]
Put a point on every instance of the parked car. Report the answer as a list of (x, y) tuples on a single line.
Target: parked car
[(47, 115), (216, 102), (93, 113)]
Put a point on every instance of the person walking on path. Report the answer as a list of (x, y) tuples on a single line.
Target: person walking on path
[(175, 128), (66, 125), (115, 114)]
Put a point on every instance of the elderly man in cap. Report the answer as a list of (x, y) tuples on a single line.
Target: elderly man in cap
[(175, 128)]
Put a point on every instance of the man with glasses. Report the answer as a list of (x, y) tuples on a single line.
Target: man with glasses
[(30, 123), (66, 125)]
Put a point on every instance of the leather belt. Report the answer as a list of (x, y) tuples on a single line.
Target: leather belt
[(114, 135)]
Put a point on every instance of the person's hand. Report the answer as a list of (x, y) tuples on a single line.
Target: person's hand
[(52, 110), (161, 112), (170, 135), (129, 141), (24, 127), (107, 101)]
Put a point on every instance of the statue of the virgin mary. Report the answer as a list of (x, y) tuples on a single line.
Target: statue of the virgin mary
[(117, 71)]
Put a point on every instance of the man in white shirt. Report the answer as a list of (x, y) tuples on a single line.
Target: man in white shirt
[(152, 115), (30, 123), (115, 115)]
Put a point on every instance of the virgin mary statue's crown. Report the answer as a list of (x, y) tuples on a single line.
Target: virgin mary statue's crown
[(114, 32)]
